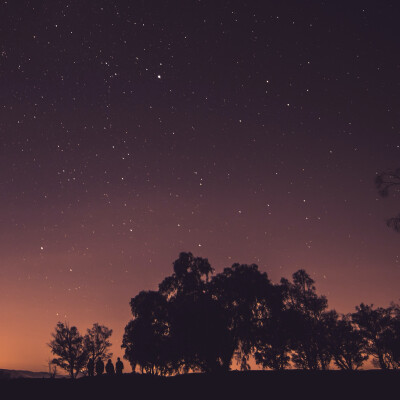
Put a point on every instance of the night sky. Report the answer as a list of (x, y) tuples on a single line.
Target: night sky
[(242, 131)]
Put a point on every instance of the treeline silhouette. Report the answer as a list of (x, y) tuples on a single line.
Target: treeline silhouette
[(197, 321), (204, 322)]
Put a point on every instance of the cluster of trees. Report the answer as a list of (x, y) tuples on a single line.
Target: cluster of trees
[(72, 350), (200, 322), (197, 321)]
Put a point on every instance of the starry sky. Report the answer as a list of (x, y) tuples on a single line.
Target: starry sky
[(242, 131)]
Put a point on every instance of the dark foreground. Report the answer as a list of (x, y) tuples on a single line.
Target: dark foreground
[(234, 385)]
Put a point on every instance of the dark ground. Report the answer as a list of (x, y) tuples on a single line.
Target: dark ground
[(234, 385)]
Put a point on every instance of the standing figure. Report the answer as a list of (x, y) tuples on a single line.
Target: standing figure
[(90, 367), (119, 366), (110, 368), (99, 367)]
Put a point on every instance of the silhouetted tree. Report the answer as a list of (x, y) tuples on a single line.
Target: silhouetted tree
[(146, 337), (181, 327), (273, 342), (377, 327), (326, 324), (346, 343), (97, 343), (199, 333), (189, 277), (395, 345), (244, 293), (198, 324), (194, 323), (67, 345), (309, 322), (391, 337), (387, 182)]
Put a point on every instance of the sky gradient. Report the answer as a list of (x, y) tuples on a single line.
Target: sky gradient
[(242, 131)]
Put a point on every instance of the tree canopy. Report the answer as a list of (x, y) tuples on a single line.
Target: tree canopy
[(97, 343), (73, 350), (68, 346), (201, 321)]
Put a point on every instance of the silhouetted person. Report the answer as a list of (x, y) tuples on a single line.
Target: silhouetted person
[(119, 366), (90, 367), (99, 367), (110, 368)]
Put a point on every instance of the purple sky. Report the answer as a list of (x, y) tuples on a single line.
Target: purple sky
[(240, 131)]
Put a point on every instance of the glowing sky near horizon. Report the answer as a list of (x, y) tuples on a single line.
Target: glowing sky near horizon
[(242, 131)]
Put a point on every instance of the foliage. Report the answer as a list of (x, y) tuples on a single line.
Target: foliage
[(190, 275), (68, 346), (97, 343), (198, 321), (395, 336), (244, 293), (308, 322), (273, 342), (378, 327), (181, 316), (146, 337), (199, 333), (347, 344)]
